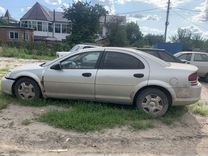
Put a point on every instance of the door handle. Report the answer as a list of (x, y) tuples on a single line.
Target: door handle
[(139, 75), (87, 74)]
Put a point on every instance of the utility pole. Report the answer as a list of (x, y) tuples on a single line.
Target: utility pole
[(167, 21)]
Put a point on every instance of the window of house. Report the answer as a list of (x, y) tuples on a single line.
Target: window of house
[(201, 58), (25, 24), (50, 27), (40, 26), (115, 60), (66, 28), (57, 28), (34, 25), (26, 37), (45, 26), (13, 35), (29, 24)]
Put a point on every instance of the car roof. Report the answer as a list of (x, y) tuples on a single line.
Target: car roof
[(151, 49), (126, 50), (92, 45), (194, 52)]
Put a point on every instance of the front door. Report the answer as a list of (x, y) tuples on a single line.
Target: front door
[(76, 79)]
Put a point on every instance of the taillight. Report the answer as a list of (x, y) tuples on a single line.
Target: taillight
[(193, 78)]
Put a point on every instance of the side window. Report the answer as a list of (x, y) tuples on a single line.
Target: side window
[(201, 58), (81, 61), (115, 60), (186, 57)]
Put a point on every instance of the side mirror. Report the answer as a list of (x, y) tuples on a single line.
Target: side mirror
[(56, 66)]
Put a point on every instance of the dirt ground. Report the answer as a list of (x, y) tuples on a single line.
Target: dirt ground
[(189, 136)]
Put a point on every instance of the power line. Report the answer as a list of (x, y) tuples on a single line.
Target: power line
[(190, 21), (146, 10), (189, 10)]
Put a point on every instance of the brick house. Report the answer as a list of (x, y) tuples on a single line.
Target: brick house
[(15, 34)]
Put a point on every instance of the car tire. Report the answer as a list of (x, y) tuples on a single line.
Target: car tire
[(153, 102), (27, 89)]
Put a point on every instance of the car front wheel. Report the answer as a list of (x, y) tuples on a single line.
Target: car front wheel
[(153, 101), (27, 89)]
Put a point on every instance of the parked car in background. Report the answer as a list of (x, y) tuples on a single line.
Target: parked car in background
[(107, 74), (199, 59), (162, 54), (75, 49)]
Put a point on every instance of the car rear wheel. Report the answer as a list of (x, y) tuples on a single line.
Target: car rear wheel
[(153, 102), (27, 89)]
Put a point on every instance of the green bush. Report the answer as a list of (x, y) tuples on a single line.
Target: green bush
[(32, 50)]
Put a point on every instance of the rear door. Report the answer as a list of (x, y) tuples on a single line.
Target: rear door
[(119, 75)]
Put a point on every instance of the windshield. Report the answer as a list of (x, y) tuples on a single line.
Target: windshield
[(50, 62)]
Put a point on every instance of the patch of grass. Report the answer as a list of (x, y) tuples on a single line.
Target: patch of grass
[(173, 115), (85, 117), (200, 108), (91, 117), (23, 54)]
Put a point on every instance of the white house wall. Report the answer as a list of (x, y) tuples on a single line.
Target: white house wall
[(58, 36)]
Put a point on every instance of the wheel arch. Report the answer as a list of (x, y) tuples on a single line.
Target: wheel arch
[(29, 77), (163, 89)]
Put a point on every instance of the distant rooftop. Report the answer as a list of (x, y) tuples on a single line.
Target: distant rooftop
[(40, 12), (8, 17)]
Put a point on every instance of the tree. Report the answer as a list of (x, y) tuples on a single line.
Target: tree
[(117, 35), (189, 40), (182, 35), (3, 22), (151, 39), (85, 21), (133, 33)]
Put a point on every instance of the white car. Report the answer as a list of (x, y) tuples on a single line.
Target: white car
[(199, 59), (75, 49), (107, 74)]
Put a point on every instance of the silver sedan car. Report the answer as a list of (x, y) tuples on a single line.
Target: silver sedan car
[(114, 75), (199, 59)]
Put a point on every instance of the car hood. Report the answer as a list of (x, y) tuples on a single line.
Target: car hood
[(33, 66)]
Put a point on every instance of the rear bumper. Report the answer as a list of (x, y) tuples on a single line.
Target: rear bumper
[(6, 85), (187, 96)]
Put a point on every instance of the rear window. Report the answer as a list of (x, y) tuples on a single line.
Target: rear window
[(167, 57), (153, 53)]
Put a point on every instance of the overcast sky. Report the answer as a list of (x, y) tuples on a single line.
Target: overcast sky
[(148, 14)]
